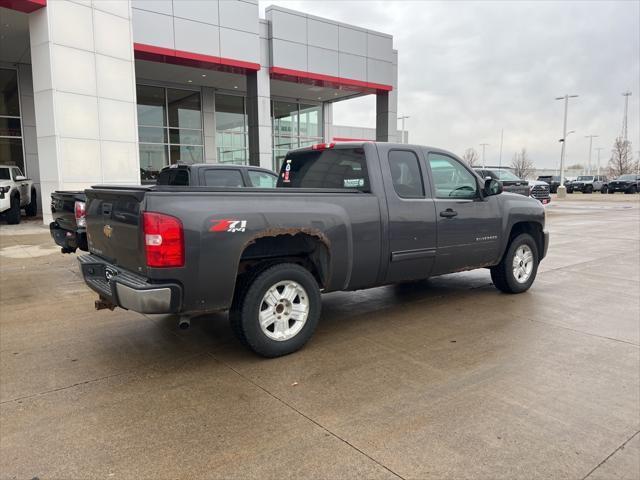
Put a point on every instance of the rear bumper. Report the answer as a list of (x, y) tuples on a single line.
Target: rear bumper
[(127, 290), (67, 239)]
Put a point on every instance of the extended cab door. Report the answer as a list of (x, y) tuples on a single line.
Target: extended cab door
[(412, 220), (468, 224)]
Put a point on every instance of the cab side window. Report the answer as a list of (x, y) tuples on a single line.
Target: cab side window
[(451, 179), (405, 174)]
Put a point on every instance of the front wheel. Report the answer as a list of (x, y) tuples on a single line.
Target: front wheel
[(13, 214), (518, 268), (605, 189), (633, 190), (276, 311), (588, 189)]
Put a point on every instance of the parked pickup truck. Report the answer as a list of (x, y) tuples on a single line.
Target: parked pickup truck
[(16, 192), (68, 208), (343, 217)]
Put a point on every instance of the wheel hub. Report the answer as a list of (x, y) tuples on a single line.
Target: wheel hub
[(284, 310), (522, 263)]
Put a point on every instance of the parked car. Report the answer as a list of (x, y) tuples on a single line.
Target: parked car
[(552, 180), (68, 208), (540, 191), (510, 182), (629, 183), (589, 184), (16, 192), (345, 216)]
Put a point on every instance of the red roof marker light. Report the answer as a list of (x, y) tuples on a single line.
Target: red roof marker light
[(323, 146)]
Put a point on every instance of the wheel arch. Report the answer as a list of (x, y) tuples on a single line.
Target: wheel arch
[(534, 229), (309, 249)]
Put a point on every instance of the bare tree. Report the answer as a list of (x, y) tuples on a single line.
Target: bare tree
[(522, 164), (621, 161), (471, 157)]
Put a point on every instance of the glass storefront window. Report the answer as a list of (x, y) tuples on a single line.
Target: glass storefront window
[(231, 129), (294, 125), (170, 128), (11, 147)]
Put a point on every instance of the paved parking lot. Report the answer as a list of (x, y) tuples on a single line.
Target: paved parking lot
[(444, 379)]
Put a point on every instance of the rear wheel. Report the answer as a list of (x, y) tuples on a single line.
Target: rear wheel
[(31, 210), (13, 214), (605, 189), (518, 268), (276, 311)]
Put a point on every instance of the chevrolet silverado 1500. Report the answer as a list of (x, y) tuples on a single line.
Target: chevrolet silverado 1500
[(343, 217)]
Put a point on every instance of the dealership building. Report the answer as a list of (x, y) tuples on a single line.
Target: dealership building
[(110, 91)]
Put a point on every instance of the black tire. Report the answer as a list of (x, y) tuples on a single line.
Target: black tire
[(632, 190), (244, 313), (13, 214), (502, 274), (569, 190), (605, 189), (610, 192), (31, 210), (588, 189)]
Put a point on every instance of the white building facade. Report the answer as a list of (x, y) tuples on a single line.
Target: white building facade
[(110, 91)]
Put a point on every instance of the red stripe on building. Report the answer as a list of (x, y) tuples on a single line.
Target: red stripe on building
[(26, 6), (191, 59), (330, 81)]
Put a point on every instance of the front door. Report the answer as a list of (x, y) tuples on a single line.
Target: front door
[(412, 222), (468, 224)]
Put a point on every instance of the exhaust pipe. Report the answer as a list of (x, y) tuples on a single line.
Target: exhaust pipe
[(184, 323)]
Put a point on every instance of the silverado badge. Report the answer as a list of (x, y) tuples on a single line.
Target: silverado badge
[(107, 230)]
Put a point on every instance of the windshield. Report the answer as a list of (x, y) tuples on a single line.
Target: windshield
[(4, 174), (583, 178), (505, 175), (627, 177)]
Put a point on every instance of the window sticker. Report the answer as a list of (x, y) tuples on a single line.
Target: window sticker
[(353, 182)]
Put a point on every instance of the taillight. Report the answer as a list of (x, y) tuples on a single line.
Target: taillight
[(80, 213), (163, 240), (322, 146)]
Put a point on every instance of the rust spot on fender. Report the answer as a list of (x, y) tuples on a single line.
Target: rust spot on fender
[(274, 232)]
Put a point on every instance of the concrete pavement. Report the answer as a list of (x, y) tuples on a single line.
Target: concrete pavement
[(443, 379)]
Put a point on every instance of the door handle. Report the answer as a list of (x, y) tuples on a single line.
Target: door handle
[(448, 213)]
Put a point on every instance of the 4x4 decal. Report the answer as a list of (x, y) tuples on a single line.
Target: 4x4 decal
[(228, 225)]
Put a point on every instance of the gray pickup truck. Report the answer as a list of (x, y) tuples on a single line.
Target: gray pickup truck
[(343, 217)]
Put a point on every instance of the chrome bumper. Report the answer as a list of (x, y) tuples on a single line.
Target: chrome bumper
[(127, 290)]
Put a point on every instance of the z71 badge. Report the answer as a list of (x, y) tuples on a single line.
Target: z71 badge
[(228, 226)]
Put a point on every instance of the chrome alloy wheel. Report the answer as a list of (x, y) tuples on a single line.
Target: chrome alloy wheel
[(522, 263), (284, 310)]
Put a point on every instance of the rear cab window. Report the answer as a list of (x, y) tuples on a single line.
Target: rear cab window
[(174, 176), (260, 179), (219, 177), (331, 168)]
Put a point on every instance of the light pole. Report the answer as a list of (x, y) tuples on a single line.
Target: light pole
[(562, 191), (599, 149), (590, 137), (403, 118), (562, 140), (483, 145), (501, 141)]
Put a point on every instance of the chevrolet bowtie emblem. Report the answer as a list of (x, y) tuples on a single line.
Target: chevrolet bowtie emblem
[(107, 230)]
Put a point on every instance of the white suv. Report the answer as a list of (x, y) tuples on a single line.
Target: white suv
[(589, 184), (16, 192)]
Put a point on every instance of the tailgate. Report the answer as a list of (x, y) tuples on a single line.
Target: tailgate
[(114, 226), (63, 208)]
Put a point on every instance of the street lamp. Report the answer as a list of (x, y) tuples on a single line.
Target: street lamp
[(599, 149), (590, 137), (403, 118), (483, 145), (562, 191)]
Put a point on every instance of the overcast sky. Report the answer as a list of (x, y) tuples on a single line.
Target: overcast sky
[(467, 69)]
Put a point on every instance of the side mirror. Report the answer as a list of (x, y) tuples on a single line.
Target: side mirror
[(20, 178), (492, 187)]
